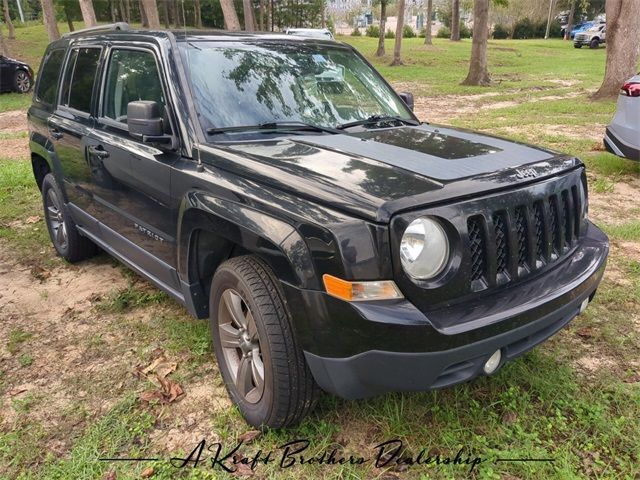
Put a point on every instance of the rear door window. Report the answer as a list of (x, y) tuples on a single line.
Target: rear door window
[(48, 77), (80, 76)]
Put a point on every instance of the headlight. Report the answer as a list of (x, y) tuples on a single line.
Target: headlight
[(424, 248)]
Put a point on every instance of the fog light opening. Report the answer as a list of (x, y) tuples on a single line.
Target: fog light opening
[(492, 364), (583, 305)]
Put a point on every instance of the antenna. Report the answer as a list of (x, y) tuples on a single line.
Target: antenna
[(184, 26)]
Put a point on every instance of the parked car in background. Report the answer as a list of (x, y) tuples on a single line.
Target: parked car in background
[(580, 27), (592, 37), (622, 137), (15, 76), (310, 32)]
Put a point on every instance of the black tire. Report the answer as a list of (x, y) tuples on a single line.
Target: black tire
[(22, 81), (65, 237), (288, 391), (595, 43), (577, 45)]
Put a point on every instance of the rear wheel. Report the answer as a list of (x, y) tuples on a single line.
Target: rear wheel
[(263, 368), (65, 237), (22, 81)]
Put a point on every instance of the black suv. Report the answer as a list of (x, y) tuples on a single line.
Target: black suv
[(278, 186)]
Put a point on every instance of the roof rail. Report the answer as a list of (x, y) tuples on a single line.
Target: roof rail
[(109, 27)]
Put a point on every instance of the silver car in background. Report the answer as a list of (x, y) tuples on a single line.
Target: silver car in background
[(622, 137), (310, 32)]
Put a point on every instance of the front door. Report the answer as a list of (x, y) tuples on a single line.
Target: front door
[(132, 179)]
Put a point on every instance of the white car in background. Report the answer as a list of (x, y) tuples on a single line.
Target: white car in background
[(622, 137), (310, 32)]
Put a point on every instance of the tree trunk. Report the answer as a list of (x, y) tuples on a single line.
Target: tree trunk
[(49, 19), (478, 70), (230, 15), (88, 15), (569, 27), (123, 13), (455, 20), (151, 12), (7, 20), (427, 30), (112, 10), (623, 45), (249, 23), (143, 15), (127, 7), (263, 8), (383, 25), (67, 15), (398, 41), (3, 46), (175, 14), (165, 14), (197, 14)]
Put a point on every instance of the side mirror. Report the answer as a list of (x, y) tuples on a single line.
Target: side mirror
[(144, 118), (407, 98)]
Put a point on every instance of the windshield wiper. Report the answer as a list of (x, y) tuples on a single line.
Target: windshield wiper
[(374, 119), (274, 127)]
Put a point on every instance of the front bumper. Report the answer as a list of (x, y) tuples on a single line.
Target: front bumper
[(357, 350)]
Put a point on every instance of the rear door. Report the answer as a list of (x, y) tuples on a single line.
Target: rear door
[(72, 121), (132, 179)]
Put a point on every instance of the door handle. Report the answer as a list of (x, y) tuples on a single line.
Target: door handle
[(55, 133), (98, 152)]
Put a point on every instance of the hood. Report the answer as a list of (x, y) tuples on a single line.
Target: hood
[(15, 61), (377, 173)]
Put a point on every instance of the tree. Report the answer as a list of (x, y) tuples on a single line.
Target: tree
[(3, 46), (398, 40), (230, 16), (427, 28), (249, 23), (150, 8), (7, 20), (197, 14), (383, 23), (68, 15), (165, 14), (88, 15), (623, 45), (49, 19), (455, 20), (478, 70), (569, 26)]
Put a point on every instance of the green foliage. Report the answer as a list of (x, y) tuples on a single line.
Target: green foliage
[(373, 31), (408, 32), (525, 28), (356, 32), (444, 32), (389, 34), (465, 32), (500, 32)]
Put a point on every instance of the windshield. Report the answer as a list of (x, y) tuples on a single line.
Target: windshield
[(242, 84)]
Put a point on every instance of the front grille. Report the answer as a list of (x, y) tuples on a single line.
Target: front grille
[(513, 242)]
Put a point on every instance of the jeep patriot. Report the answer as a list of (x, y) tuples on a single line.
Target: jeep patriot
[(279, 187)]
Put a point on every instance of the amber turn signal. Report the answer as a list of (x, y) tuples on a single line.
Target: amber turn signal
[(357, 291)]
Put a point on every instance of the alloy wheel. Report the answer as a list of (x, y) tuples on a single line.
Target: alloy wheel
[(241, 345), (55, 218), (23, 82)]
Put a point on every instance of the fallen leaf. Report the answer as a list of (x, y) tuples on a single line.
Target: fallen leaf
[(151, 395), (244, 470), (509, 418), (585, 332), (147, 472), (110, 475), (249, 436), (33, 219), (17, 391)]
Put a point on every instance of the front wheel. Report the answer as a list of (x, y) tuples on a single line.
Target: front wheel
[(577, 45), (595, 43), (263, 368)]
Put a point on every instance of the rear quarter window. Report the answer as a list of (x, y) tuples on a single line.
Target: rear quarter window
[(48, 77)]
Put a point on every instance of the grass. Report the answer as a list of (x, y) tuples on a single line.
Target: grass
[(542, 405)]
